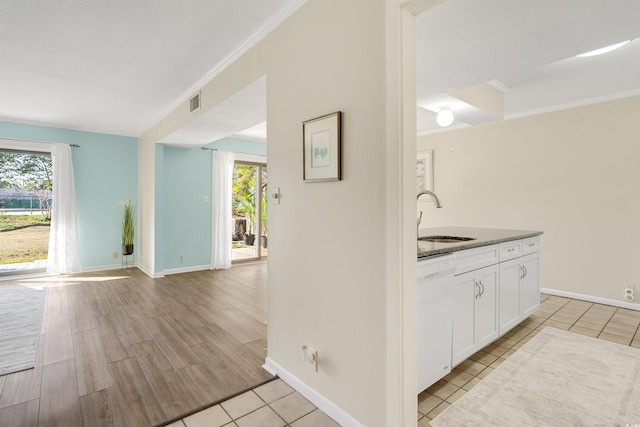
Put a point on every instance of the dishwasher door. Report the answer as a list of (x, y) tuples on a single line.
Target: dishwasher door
[(435, 319)]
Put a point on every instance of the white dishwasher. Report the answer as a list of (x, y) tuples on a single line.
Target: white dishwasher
[(435, 318)]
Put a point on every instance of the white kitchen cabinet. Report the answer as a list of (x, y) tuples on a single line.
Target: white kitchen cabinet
[(510, 315), (476, 258), (495, 287), (530, 285), (519, 294), (510, 250), (475, 315)]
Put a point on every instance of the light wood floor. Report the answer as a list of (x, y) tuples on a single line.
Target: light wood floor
[(120, 349)]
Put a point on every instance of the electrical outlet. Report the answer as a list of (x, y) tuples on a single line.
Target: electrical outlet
[(629, 293), (114, 255), (180, 258), (310, 357)]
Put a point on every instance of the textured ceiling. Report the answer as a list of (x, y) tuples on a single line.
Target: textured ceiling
[(524, 45), (119, 66)]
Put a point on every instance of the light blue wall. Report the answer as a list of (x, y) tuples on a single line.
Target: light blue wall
[(186, 217), (105, 169), (106, 172)]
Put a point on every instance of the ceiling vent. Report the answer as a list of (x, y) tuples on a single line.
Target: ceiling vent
[(194, 103)]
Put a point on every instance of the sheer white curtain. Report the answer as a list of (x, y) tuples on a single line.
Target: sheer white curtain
[(63, 239), (222, 222)]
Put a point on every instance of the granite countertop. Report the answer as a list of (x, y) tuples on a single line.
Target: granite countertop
[(482, 236)]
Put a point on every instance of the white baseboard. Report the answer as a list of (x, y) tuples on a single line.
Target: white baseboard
[(590, 298), (186, 269), (324, 404), (150, 273)]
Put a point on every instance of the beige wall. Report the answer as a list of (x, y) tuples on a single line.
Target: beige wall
[(327, 255), (573, 174), (146, 206), (336, 248)]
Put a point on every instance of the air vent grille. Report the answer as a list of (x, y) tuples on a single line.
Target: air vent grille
[(194, 103)]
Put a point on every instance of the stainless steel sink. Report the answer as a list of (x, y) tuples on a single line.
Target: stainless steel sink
[(445, 239)]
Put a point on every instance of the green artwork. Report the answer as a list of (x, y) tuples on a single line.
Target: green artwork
[(321, 152)]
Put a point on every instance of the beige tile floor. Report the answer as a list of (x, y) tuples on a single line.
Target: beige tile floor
[(274, 404), (595, 320), (277, 404)]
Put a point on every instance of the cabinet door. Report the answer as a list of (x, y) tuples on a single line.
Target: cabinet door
[(529, 284), (487, 306), (509, 301), (465, 292)]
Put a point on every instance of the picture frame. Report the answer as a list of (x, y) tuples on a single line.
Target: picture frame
[(424, 171), (322, 148)]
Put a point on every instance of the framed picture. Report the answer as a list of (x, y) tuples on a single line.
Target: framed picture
[(321, 147), (424, 170)]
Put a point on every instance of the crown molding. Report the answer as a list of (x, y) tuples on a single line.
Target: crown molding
[(251, 41)]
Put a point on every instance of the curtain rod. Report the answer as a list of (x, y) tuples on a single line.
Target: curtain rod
[(36, 141)]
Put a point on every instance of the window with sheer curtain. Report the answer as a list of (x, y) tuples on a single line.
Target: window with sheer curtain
[(63, 255), (221, 220)]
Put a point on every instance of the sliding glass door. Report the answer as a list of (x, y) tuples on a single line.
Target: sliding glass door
[(26, 186), (249, 211)]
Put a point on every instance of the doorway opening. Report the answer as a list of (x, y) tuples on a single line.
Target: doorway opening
[(249, 212), (26, 191)]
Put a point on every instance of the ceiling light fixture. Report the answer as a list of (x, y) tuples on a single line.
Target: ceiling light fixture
[(603, 50), (444, 117)]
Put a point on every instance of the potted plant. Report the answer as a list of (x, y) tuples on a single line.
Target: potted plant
[(128, 227), (263, 217)]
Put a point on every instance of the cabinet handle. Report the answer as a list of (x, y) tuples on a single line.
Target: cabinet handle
[(478, 294), (521, 272), (481, 290), (525, 271)]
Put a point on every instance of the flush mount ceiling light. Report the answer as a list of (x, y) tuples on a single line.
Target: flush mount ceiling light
[(603, 49), (444, 117)]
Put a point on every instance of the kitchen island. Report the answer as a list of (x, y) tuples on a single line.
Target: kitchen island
[(474, 285)]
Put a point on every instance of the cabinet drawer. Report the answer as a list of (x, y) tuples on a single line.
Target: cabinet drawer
[(510, 250), (473, 259), (530, 245)]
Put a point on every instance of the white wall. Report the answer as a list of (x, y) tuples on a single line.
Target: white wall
[(573, 174)]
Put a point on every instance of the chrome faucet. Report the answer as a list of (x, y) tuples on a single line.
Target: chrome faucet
[(436, 203)]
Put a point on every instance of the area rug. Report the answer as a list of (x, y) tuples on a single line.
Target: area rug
[(20, 319), (558, 378)]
